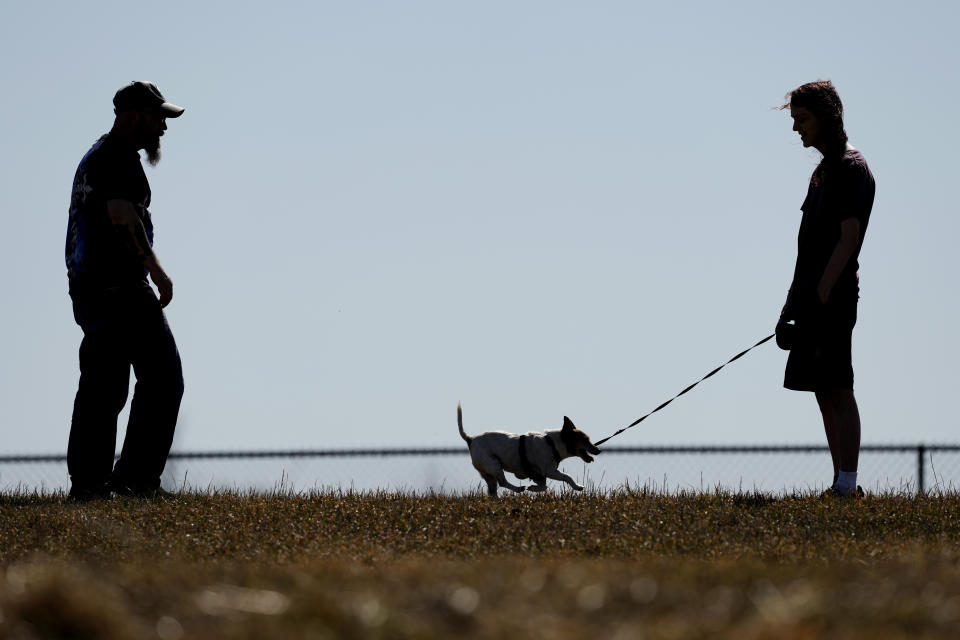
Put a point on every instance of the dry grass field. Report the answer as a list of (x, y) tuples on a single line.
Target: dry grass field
[(627, 564)]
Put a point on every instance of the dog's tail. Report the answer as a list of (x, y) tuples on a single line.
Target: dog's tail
[(463, 434)]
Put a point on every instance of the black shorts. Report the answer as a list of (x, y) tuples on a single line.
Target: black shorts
[(821, 360)]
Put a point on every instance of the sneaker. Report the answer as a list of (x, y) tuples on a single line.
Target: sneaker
[(131, 491), (163, 494), (80, 493), (833, 492)]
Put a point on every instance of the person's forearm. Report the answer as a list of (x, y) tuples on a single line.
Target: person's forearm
[(838, 262), (142, 248), (130, 232)]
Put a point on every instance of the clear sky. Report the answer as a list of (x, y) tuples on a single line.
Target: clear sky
[(374, 210)]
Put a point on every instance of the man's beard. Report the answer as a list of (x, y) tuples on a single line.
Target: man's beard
[(153, 151)]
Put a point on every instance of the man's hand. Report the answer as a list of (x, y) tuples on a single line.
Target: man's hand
[(786, 314), (163, 282), (823, 292)]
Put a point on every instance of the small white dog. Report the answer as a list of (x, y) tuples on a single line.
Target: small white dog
[(533, 455)]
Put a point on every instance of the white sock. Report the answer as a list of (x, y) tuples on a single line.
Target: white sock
[(847, 482)]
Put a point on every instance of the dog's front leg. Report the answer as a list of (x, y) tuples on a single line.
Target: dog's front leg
[(556, 474)]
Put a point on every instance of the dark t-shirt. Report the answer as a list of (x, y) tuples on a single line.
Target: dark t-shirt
[(839, 189), (96, 255)]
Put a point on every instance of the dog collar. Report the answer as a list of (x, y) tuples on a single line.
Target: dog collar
[(528, 468), (553, 448)]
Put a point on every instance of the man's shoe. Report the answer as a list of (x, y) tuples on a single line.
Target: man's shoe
[(833, 492), (89, 494), (163, 494), (146, 493)]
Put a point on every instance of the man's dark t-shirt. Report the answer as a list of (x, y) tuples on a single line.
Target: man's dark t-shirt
[(839, 189), (96, 255)]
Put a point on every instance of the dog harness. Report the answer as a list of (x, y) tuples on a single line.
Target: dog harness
[(528, 468)]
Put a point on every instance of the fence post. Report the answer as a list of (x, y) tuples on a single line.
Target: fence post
[(921, 450)]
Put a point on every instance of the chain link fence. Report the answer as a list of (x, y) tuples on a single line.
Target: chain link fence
[(666, 469)]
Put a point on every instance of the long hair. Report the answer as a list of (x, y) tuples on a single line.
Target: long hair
[(822, 100)]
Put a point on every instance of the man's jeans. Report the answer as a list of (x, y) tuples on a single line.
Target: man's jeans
[(123, 327)]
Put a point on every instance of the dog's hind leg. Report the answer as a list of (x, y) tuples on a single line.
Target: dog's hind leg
[(502, 479), (491, 484), (537, 488)]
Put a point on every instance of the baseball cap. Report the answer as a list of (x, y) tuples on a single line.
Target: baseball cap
[(141, 96)]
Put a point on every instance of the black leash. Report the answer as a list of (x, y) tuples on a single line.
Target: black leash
[(639, 420)]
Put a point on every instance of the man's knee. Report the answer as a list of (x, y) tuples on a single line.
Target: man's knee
[(176, 391), (170, 382), (835, 399), (165, 388), (103, 392)]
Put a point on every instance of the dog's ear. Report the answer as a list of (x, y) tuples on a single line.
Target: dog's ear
[(567, 424)]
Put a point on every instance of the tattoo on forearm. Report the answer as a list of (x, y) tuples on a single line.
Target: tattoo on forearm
[(134, 239)]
